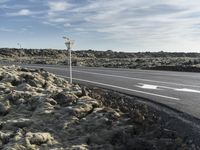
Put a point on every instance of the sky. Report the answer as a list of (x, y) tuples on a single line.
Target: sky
[(120, 25)]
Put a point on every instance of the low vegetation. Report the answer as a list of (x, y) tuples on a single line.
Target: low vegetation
[(90, 58)]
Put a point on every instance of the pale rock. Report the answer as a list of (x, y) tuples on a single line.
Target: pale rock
[(4, 109), (65, 99), (39, 138), (79, 147)]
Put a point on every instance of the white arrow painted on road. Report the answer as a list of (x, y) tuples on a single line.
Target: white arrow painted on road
[(158, 87)]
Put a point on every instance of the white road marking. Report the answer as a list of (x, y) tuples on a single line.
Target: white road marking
[(156, 87), (123, 88), (147, 86), (124, 77), (188, 90)]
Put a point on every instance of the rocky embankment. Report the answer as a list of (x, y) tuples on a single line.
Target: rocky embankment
[(41, 111)]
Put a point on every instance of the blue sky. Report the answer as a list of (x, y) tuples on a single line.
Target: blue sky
[(122, 25)]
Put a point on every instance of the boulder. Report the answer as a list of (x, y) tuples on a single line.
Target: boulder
[(5, 137), (4, 109), (39, 138), (65, 99)]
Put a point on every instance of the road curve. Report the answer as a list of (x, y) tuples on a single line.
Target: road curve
[(178, 90)]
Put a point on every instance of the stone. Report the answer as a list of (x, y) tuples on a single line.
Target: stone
[(3, 109), (79, 147), (84, 91), (39, 138), (5, 137), (32, 83), (65, 99), (137, 117), (24, 87), (88, 100)]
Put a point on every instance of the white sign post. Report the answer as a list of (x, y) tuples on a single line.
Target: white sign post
[(69, 44)]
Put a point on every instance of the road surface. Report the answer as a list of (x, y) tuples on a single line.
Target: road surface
[(178, 90)]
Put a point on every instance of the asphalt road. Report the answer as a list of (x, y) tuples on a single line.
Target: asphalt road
[(179, 90)]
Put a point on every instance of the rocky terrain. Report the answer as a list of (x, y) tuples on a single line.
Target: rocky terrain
[(41, 111), (91, 58)]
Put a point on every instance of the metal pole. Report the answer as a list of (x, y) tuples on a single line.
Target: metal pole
[(70, 65), (69, 44)]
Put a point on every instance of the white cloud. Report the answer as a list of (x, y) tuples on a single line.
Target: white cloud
[(13, 6), (58, 20), (67, 25), (58, 5), (48, 23), (4, 1), (26, 12), (22, 12)]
